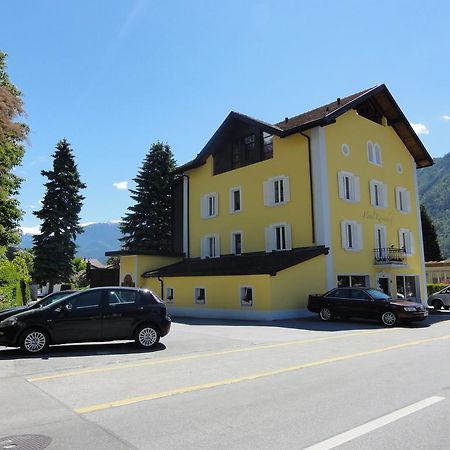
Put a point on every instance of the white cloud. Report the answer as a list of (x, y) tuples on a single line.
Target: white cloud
[(446, 117), (87, 223), (115, 221), (31, 230), (121, 185), (420, 128)]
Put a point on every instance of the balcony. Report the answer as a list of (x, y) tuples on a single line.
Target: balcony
[(391, 257)]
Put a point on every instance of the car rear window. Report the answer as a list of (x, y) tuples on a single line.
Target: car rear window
[(149, 297)]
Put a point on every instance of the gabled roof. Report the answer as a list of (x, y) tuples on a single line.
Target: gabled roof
[(326, 115), (247, 264)]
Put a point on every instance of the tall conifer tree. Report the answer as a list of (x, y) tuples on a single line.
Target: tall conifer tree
[(430, 242), (12, 135), (55, 247), (148, 225)]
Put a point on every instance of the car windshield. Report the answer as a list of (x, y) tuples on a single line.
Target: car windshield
[(378, 295)]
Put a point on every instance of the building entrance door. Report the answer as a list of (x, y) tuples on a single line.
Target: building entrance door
[(383, 283)]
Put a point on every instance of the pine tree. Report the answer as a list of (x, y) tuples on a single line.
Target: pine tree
[(430, 242), (147, 225), (12, 135), (54, 248)]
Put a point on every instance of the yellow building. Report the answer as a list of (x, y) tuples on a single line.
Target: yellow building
[(267, 214)]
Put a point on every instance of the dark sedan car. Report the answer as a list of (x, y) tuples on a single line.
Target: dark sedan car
[(98, 314), (45, 301), (365, 303)]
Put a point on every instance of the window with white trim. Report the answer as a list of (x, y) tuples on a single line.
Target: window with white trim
[(378, 194), (199, 295), (170, 295), (278, 237), (348, 187), (210, 205), (246, 296), (210, 246), (235, 200), (351, 235), (374, 153), (236, 242), (276, 191), (402, 199), (405, 240)]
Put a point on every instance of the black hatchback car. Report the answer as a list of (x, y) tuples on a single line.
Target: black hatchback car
[(98, 314), (368, 303)]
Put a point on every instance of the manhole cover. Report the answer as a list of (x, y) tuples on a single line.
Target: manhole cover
[(24, 442)]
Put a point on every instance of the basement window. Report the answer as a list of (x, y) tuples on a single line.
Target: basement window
[(246, 296), (200, 296)]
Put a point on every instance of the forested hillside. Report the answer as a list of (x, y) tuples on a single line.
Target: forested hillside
[(434, 190)]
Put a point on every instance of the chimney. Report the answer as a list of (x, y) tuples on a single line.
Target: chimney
[(338, 100), (286, 120)]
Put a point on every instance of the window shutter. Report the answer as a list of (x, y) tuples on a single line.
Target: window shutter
[(341, 188), (268, 193), (372, 192), (269, 239), (288, 236), (397, 198), (203, 207), (385, 196), (408, 201), (411, 243), (217, 245), (359, 237), (344, 235), (287, 189), (216, 205), (356, 191)]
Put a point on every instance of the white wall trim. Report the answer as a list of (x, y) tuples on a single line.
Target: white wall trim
[(422, 294), (322, 221)]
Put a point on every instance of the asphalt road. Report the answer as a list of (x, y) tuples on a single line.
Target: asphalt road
[(237, 385)]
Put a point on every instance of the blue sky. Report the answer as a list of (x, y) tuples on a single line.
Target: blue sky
[(115, 76)]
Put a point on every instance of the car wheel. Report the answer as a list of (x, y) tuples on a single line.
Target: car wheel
[(325, 314), (34, 341), (146, 336), (437, 304), (389, 318)]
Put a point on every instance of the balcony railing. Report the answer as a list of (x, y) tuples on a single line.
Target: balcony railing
[(390, 256)]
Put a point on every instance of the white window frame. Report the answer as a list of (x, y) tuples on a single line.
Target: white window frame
[(378, 194), (406, 241), (209, 205), (197, 290), (232, 242), (277, 191), (170, 294), (348, 187), (272, 235), (374, 153), (210, 246), (233, 209), (243, 291), (351, 235), (402, 200)]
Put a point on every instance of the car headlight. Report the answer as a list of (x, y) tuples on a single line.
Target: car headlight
[(410, 308), (8, 322)]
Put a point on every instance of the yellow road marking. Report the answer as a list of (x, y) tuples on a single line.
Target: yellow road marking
[(199, 387), (200, 356)]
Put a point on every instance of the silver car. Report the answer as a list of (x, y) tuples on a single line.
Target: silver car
[(440, 299)]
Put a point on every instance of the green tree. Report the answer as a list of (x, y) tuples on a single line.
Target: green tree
[(14, 279), (54, 248), (430, 242), (147, 225), (12, 136)]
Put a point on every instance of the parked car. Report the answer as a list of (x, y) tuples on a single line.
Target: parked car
[(45, 301), (98, 314), (440, 299), (366, 303)]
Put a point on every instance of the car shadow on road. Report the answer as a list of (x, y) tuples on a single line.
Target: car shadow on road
[(75, 350), (313, 323)]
